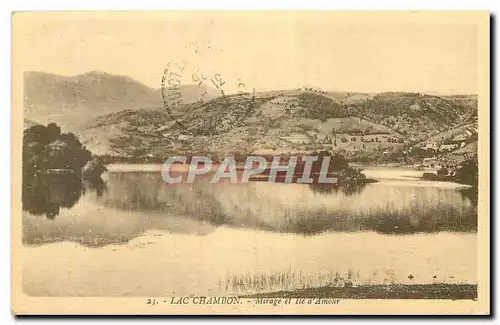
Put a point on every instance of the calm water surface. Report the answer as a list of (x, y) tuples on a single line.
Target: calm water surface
[(134, 235)]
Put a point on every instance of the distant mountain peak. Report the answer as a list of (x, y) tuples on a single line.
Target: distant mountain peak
[(70, 100)]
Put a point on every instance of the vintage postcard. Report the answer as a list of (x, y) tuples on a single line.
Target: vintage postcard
[(231, 162)]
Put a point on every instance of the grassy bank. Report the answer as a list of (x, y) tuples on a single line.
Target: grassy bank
[(382, 291)]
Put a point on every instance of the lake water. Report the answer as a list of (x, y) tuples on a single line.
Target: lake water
[(133, 235)]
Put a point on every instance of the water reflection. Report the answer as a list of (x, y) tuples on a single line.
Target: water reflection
[(401, 225), (135, 202), (319, 233), (297, 208), (46, 194), (93, 184), (327, 189), (471, 194)]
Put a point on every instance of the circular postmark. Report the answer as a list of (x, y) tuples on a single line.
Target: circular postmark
[(171, 91), (171, 88)]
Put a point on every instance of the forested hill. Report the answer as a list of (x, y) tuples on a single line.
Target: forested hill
[(283, 121)]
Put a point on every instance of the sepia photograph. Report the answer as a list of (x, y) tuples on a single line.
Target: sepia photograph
[(250, 162)]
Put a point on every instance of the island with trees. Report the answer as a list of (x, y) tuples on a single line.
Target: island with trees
[(56, 169)]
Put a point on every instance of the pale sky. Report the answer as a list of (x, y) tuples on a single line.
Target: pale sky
[(265, 51)]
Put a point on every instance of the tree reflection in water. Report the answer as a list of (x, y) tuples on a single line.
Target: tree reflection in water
[(326, 189), (410, 220), (47, 194), (470, 193)]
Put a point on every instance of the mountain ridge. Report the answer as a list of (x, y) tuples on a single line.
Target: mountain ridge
[(283, 122), (120, 116), (73, 100)]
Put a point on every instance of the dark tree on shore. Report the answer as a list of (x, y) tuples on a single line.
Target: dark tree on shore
[(467, 173), (46, 148)]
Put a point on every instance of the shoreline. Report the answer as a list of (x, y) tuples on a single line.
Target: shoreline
[(381, 291)]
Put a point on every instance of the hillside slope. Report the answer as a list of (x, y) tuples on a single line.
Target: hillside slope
[(278, 122), (414, 115)]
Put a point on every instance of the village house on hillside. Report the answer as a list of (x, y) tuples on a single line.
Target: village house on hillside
[(448, 147)]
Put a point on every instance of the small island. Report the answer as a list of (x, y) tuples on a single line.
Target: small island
[(47, 151), (465, 173), (57, 168)]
